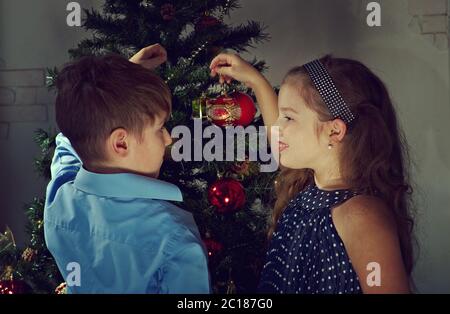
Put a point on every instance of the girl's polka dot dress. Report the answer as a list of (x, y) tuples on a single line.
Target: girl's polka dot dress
[(306, 254)]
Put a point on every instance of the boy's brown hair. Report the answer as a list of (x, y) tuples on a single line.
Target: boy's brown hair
[(99, 94)]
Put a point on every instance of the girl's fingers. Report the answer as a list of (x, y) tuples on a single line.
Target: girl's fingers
[(226, 79), (224, 71), (219, 65), (214, 62), (222, 65), (223, 59), (213, 72)]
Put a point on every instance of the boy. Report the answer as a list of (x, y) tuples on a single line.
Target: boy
[(107, 219)]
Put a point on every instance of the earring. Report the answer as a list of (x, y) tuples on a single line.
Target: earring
[(330, 146)]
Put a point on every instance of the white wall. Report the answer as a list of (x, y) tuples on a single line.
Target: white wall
[(33, 34)]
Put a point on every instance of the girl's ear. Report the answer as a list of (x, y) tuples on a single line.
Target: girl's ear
[(337, 130), (118, 142)]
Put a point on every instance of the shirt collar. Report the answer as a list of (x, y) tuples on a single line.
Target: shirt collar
[(126, 185)]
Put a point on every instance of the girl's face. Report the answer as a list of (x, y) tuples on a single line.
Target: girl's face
[(301, 144)]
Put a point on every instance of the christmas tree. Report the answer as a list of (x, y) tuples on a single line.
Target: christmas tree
[(230, 200)]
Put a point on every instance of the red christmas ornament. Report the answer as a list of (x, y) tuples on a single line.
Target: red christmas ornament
[(167, 12), (227, 195), (231, 110), (205, 22), (13, 287), (213, 247)]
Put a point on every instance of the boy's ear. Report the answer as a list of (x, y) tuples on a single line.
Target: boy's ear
[(118, 142)]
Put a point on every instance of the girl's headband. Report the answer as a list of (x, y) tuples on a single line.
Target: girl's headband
[(329, 92)]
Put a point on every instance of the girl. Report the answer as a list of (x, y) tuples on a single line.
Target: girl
[(341, 222)]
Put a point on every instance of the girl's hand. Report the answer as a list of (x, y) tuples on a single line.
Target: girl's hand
[(231, 66), (150, 57)]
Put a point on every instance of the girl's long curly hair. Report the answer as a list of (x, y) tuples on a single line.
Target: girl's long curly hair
[(374, 158)]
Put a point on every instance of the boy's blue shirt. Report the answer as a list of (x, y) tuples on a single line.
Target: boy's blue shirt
[(121, 230)]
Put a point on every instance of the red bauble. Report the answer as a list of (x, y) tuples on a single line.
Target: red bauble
[(13, 287), (167, 12), (227, 195), (206, 21), (213, 247), (231, 110)]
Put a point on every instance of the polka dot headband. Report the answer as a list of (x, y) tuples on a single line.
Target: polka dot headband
[(329, 92)]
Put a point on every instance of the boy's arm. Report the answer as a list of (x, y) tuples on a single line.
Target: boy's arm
[(187, 271), (65, 165)]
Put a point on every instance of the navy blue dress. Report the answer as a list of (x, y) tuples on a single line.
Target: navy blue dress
[(306, 254)]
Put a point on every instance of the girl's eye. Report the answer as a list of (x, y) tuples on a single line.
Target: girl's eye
[(287, 118)]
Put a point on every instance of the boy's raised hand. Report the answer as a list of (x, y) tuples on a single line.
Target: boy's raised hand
[(150, 57), (231, 66)]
